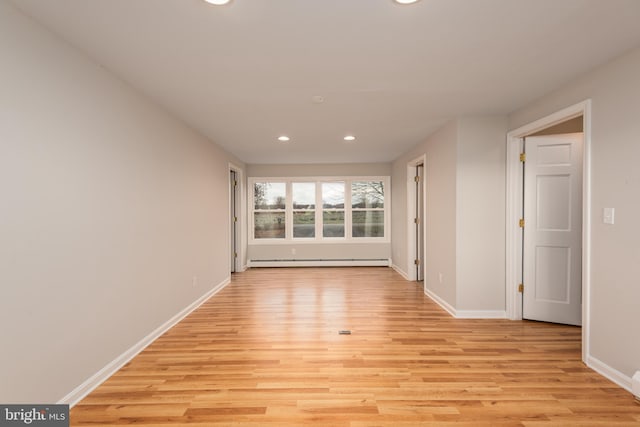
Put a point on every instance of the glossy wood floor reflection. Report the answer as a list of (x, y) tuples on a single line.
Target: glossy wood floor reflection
[(265, 351)]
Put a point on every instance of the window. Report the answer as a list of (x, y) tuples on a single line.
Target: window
[(320, 209), (367, 209), (333, 209), (304, 209), (269, 217)]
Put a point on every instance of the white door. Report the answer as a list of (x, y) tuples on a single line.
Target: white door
[(552, 249)]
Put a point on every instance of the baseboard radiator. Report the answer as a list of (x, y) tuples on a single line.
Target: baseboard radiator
[(359, 262)]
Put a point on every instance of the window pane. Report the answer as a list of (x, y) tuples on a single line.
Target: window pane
[(333, 195), (304, 195), (269, 195), (268, 225), (367, 224), (333, 224), (304, 224), (367, 194)]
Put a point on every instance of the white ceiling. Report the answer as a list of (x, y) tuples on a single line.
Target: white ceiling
[(389, 74)]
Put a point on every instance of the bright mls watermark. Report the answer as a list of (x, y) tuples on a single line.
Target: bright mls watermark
[(34, 415)]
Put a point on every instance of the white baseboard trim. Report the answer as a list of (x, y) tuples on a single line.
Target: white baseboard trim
[(610, 373), (103, 374), (442, 303), (481, 314), (466, 314), (320, 263), (400, 271)]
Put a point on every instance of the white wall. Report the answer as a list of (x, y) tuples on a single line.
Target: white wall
[(440, 214), (323, 251), (109, 208), (464, 217), (615, 149), (313, 170), (480, 201)]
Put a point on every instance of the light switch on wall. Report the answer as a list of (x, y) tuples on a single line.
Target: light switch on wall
[(609, 215)]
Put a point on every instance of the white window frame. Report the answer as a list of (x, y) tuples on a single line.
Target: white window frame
[(352, 209), (319, 239), (289, 208), (286, 211), (347, 194)]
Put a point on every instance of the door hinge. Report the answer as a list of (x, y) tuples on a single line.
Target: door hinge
[(235, 219), (523, 157), (235, 254), (416, 178), (521, 288), (416, 220), (235, 183), (416, 262), (521, 223)]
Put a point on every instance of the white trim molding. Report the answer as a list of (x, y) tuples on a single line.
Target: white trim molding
[(80, 392), (465, 314), (610, 373), (401, 272), (514, 196), (442, 303), (481, 314)]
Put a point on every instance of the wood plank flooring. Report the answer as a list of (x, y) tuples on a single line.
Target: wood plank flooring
[(266, 351)]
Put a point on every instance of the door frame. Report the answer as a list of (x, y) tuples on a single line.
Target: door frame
[(514, 211), (240, 264), (411, 209)]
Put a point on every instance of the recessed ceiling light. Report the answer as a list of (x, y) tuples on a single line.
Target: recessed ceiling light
[(405, 1), (218, 2), (284, 138), (349, 138)]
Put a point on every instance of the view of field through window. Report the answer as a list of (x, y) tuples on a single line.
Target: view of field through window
[(319, 210)]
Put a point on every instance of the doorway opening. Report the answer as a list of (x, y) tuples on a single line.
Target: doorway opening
[(416, 219), (235, 220), (560, 122)]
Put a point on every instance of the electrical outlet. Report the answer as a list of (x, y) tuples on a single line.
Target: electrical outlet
[(194, 281), (440, 276), (293, 251)]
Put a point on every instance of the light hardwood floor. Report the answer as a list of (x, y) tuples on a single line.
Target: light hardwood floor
[(266, 351)]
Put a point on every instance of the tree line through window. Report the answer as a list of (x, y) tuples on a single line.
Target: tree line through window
[(327, 209)]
